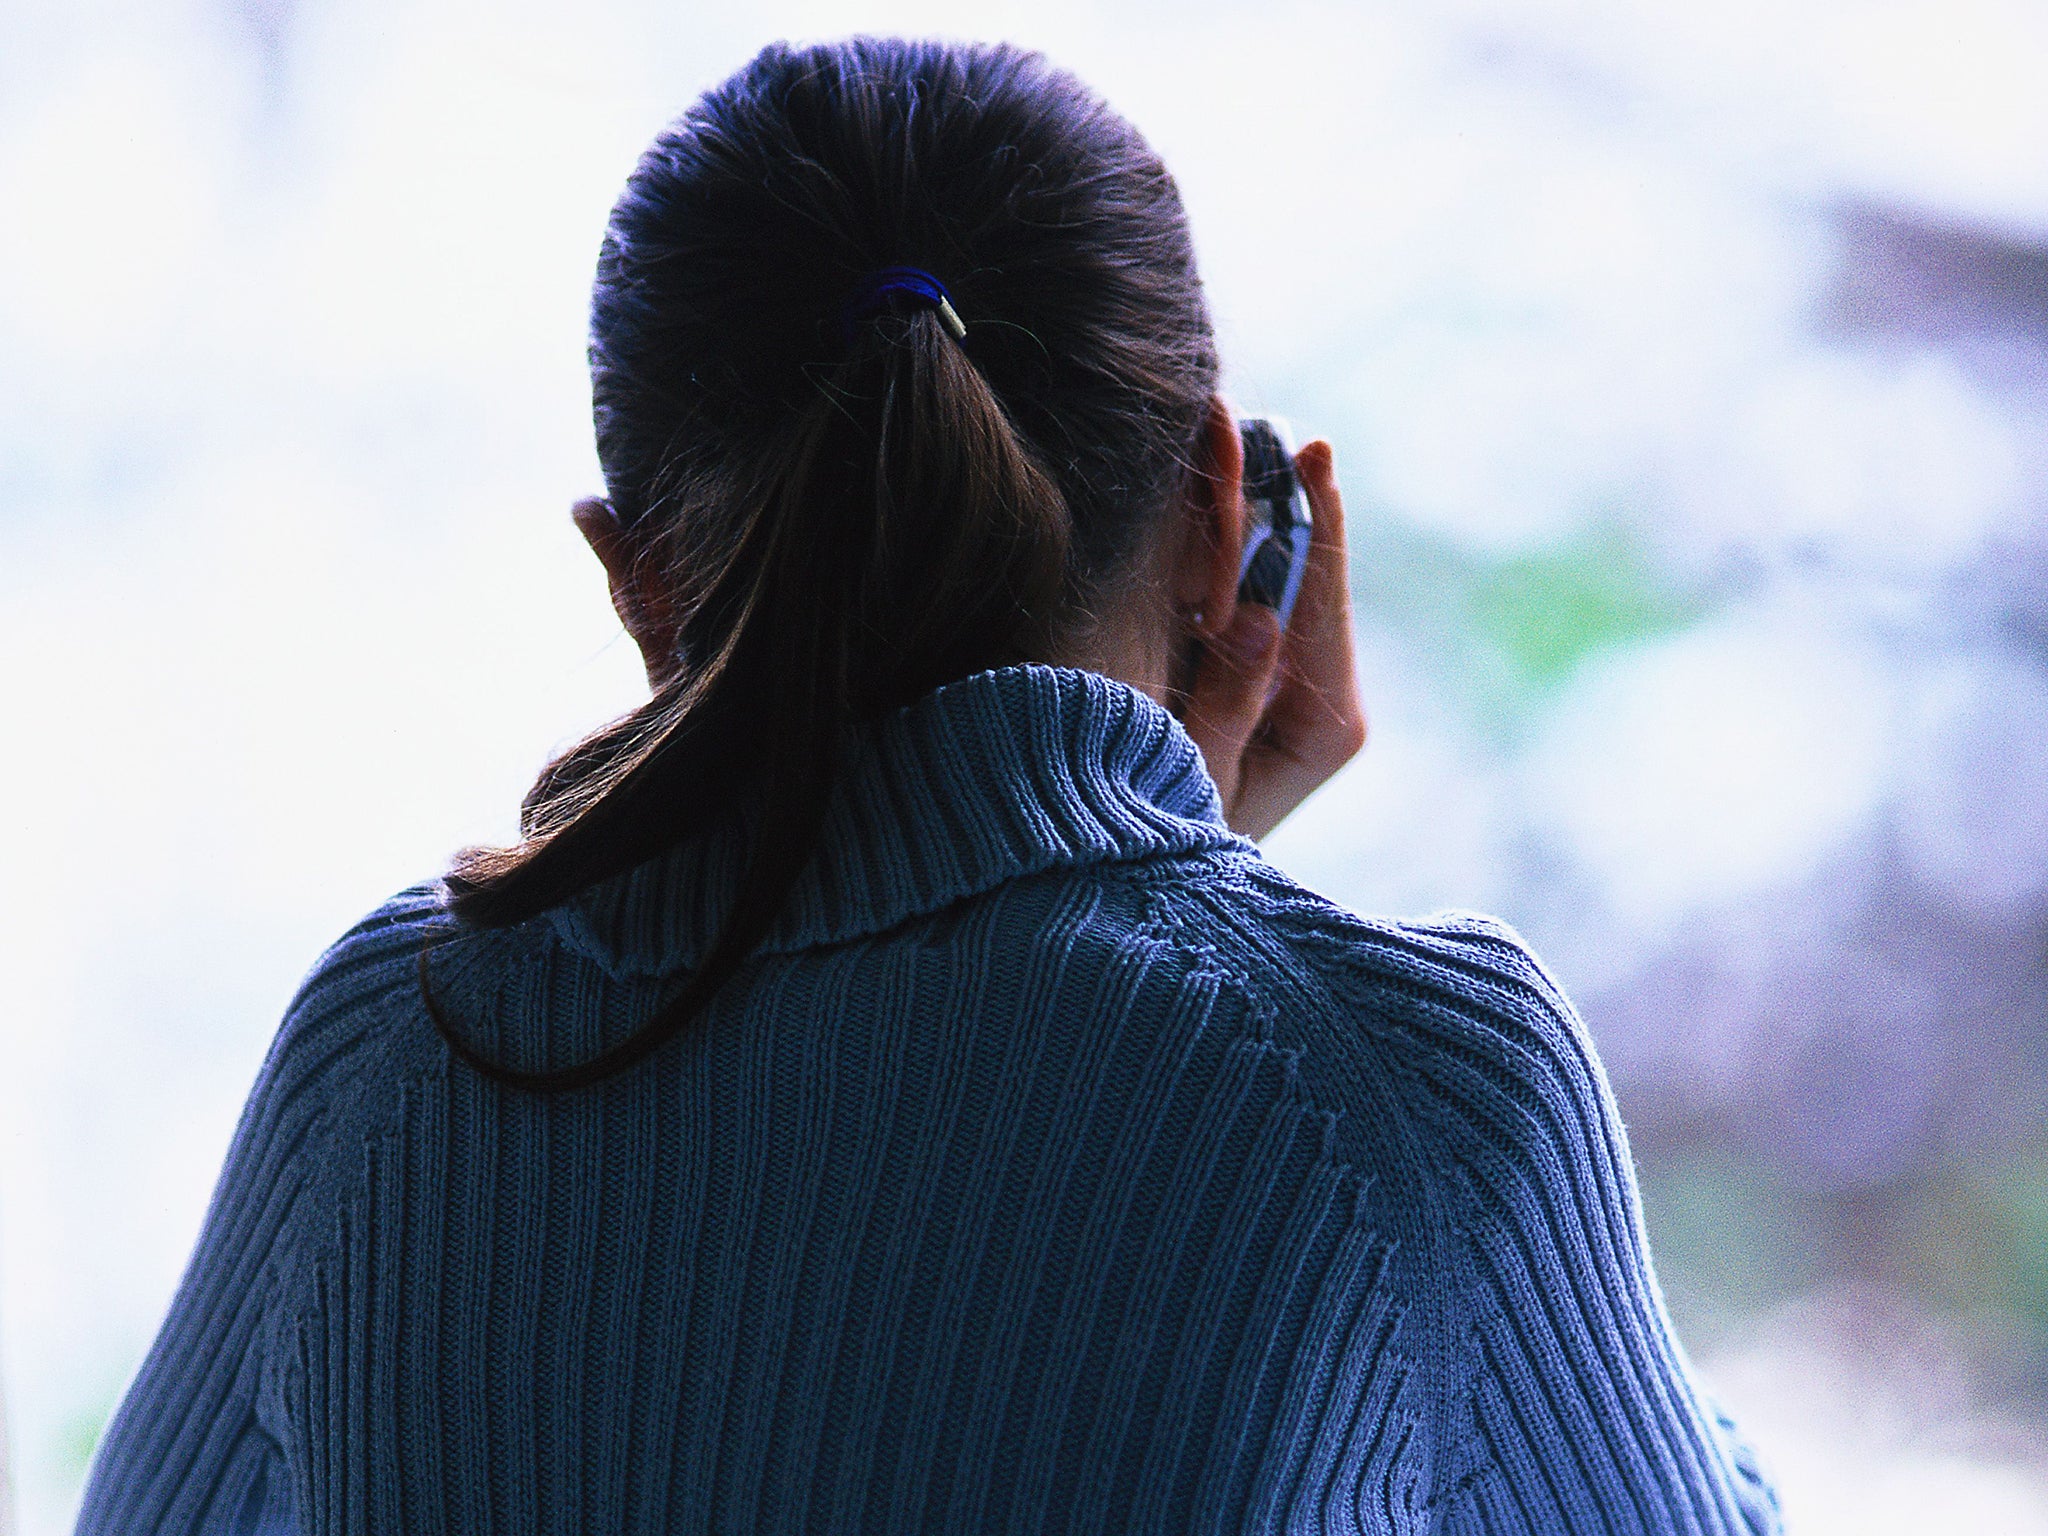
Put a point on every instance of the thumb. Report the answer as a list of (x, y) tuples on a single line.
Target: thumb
[(1229, 694)]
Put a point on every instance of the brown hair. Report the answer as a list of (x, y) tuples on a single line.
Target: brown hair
[(847, 515)]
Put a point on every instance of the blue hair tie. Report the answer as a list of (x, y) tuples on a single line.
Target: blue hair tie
[(877, 289)]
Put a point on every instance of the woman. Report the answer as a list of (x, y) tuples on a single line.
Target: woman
[(885, 1090)]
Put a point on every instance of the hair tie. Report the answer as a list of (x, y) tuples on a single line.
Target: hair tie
[(878, 288)]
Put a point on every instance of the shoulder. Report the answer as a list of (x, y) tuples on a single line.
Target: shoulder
[(347, 1027), (1510, 1147), (1454, 1051), (1458, 983), (331, 1057), (369, 967), (1451, 1020)]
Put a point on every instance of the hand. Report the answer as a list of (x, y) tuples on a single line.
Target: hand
[(1266, 758)]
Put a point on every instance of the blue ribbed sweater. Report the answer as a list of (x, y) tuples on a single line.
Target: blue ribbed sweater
[(1058, 1165)]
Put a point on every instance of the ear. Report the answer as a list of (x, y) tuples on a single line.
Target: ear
[(1212, 542), (644, 613)]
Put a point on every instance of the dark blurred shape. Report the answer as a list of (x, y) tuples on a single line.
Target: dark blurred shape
[(1910, 274), (1841, 1090)]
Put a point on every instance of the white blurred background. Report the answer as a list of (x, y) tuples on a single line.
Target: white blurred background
[(1688, 367)]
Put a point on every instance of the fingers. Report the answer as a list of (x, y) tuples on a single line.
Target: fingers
[(1316, 722), (1229, 694), (1269, 747), (1318, 713), (1320, 636)]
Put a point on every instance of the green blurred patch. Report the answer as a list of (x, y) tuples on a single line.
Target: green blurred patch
[(80, 1437), (2020, 1204), (1546, 612), (1727, 1237), (1984, 1240), (1506, 632)]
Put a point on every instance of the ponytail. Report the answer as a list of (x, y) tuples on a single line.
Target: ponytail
[(910, 540), (849, 502)]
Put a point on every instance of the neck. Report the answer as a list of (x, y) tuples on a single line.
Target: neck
[(1123, 645)]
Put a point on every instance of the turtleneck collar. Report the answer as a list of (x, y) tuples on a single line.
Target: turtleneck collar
[(1005, 773)]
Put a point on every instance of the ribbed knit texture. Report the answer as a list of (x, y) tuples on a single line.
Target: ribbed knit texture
[(1058, 1166)]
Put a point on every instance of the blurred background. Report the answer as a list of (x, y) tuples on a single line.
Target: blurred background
[(1688, 367)]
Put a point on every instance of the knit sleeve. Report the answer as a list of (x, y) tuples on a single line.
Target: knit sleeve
[(1583, 1411), (191, 1450)]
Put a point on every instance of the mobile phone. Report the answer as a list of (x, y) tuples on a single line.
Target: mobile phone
[(1276, 524)]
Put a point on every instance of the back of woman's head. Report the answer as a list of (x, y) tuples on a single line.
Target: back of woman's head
[(843, 504)]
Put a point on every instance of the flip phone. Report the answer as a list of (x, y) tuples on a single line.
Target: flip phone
[(1276, 525)]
